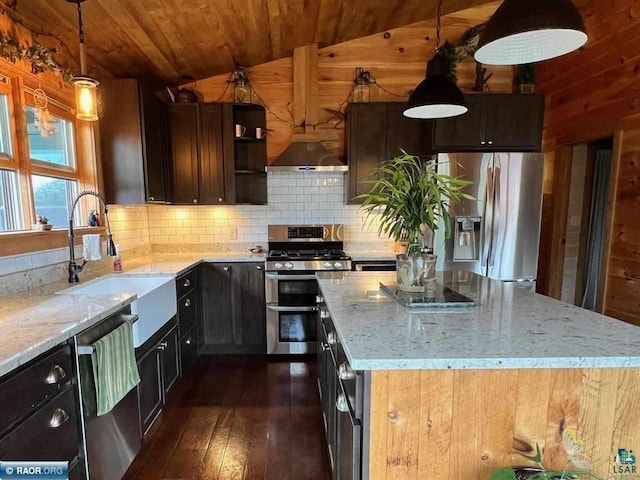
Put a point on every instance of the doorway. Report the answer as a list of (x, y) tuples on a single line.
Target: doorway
[(583, 266)]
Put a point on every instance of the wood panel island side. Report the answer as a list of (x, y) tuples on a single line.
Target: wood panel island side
[(457, 393)]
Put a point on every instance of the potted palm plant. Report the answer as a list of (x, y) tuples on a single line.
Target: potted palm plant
[(408, 198)]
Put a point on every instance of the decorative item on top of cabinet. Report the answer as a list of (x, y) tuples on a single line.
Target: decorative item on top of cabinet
[(133, 141), (199, 171), (376, 132), (246, 153), (233, 308), (495, 122)]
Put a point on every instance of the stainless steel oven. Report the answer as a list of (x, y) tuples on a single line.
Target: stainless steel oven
[(291, 312), (296, 252)]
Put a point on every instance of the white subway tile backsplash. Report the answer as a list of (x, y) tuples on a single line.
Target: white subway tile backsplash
[(292, 198)]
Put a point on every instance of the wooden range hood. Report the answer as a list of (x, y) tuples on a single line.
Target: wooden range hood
[(306, 153)]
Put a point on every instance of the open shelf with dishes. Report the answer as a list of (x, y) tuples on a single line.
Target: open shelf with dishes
[(247, 153)]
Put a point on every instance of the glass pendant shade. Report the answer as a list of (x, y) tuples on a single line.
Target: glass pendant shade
[(530, 31), (86, 99), (437, 96)]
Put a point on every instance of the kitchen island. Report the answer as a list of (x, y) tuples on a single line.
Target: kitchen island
[(456, 393)]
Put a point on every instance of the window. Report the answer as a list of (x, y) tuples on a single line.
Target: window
[(10, 202), (53, 198), (39, 174), (58, 148), (5, 131)]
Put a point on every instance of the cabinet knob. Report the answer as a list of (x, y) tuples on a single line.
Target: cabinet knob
[(195, 200), (187, 283), (325, 346), (331, 338), (187, 303), (319, 299), (56, 374), (152, 199), (188, 341), (324, 314), (58, 418), (162, 345), (341, 403), (490, 142), (227, 269), (483, 143), (259, 267), (220, 199), (345, 372)]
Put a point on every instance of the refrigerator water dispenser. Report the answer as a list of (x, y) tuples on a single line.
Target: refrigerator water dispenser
[(466, 244)]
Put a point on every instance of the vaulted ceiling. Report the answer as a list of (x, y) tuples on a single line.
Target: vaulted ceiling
[(167, 40)]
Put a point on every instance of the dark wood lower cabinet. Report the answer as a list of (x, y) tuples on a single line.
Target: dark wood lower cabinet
[(150, 388), (170, 355), (233, 308), (188, 350), (40, 411), (159, 368)]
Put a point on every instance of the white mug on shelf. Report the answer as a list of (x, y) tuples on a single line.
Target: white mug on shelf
[(260, 133), (240, 130)]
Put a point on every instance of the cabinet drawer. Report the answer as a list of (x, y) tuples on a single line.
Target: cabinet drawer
[(51, 434), (187, 311), (186, 282), (188, 350), (23, 392)]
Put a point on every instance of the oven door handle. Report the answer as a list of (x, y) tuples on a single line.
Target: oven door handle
[(276, 308), (275, 276)]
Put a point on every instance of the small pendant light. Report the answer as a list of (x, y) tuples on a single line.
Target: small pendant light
[(529, 31), (86, 101), (437, 96)]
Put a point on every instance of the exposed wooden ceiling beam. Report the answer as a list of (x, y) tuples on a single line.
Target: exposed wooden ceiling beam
[(275, 30)]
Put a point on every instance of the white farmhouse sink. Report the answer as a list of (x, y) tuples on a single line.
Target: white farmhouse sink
[(155, 305)]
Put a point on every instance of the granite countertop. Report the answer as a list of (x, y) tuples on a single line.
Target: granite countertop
[(34, 321), (510, 327)]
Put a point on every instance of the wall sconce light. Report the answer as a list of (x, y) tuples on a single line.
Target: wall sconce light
[(86, 98)]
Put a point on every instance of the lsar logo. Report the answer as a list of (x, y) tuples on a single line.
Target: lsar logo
[(624, 462)]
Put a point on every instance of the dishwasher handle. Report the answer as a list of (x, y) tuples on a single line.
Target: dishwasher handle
[(88, 349)]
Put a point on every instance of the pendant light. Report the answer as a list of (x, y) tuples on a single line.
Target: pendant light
[(437, 96), (529, 31), (86, 101)]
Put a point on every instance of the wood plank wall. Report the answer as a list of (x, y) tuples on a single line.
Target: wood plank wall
[(465, 424), (396, 59), (595, 93)]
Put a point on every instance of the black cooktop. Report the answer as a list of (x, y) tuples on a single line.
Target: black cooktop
[(308, 254)]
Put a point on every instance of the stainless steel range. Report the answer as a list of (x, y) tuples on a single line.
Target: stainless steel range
[(296, 252)]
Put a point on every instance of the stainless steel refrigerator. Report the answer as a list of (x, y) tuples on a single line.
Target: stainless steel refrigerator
[(498, 234)]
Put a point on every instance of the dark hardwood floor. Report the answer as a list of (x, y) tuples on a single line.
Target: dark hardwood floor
[(240, 418)]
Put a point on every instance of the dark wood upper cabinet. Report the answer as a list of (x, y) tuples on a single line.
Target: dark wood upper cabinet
[(133, 143), (185, 153), (377, 132), (495, 122), (212, 171)]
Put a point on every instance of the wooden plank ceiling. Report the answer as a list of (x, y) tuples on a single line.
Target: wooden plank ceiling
[(166, 40)]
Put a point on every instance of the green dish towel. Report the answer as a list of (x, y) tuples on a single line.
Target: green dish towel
[(115, 371)]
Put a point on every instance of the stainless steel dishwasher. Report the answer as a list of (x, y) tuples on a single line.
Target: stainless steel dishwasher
[(113, 440), (373, 265)]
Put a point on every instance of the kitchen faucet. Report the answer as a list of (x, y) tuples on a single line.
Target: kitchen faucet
[(74, 268)]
